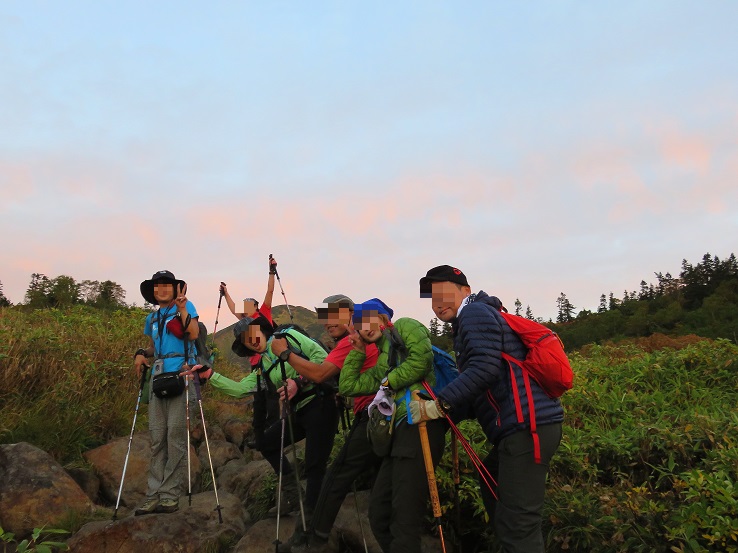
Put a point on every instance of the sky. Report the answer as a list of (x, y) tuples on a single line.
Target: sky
[(541, 147)]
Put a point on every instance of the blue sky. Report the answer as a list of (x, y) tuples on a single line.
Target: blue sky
[(540, 147)]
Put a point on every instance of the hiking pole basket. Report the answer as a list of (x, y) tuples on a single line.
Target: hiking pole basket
[(130, 439)]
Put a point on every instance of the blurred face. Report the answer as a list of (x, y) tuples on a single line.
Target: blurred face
[(250, 307), (254, 338), (370, 326), (446, 298), (336, 320), (163, 292)]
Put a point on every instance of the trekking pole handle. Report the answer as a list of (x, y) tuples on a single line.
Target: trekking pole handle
[(143, 376), (274, 268)]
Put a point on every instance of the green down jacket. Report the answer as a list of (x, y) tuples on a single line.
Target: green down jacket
[(406, 377)]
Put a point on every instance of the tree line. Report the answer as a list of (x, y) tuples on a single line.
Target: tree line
[(64, 291)]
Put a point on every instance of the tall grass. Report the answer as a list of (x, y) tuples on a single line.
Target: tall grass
[(67, 382)]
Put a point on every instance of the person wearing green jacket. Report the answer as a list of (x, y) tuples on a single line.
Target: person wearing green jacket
[(399, 497), (313, 406)]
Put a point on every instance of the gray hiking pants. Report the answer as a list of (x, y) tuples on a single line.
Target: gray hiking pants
[(169, 443)]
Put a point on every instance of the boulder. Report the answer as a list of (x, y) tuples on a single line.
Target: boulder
[(190, 530), (221, 452), (260, 537), (243, 479), (236, 430), (87, 480), (35, 490), (348, 523), (108, 460)]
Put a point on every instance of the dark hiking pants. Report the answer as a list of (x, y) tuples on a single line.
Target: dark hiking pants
[(399, 500), (521, 486), (355, 458), (317, 423)]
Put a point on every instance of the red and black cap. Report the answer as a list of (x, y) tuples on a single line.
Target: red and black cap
[(442, 273)]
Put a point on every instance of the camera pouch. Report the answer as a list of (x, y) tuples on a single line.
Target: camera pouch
[(166, 385), (379, 432)]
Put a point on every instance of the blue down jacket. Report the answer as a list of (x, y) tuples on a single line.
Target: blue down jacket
[(484, 387)]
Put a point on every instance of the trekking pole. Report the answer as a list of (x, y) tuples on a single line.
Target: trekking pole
[(457, 486), (487, 478), (288, 411), (276, 274), (431, 474), (130, 439), (346, 433), (207, 445), (217, 313), (279, 479), (189, 462)]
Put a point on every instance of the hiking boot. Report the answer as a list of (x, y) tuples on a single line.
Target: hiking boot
[(167, 506), (149, 506), (299, 537)]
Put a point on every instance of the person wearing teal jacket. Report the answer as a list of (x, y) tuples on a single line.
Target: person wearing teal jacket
[(398, 503), (315, 416)]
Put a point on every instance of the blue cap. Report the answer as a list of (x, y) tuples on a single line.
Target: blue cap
[(374, 304)]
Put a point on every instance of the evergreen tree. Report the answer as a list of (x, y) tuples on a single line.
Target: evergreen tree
[(565, 309), (4, 302), (64, 291), (612, 302), (37, 294), (518, 306), (529, 313), (603, 304), (434, 326)]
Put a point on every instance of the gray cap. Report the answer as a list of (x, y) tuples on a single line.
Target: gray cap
[(341, 300)]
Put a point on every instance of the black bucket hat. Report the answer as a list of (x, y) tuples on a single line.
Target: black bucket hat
[(242, 326), (147, 286)]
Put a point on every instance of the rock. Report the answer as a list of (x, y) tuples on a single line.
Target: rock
[(87, 480), (243, 479), (108, 461), (347, 523), (260, 537), (35, 490), (190, 530), (235, 430), (221, 452)]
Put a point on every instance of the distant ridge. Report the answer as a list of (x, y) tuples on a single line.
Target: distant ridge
[(306, 318)]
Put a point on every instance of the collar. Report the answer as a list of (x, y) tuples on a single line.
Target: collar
[(466, 301)]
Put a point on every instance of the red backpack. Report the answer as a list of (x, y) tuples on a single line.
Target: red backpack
[(546, 363)]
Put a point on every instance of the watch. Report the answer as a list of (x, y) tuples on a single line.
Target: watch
[(140, 351), (285, 355)]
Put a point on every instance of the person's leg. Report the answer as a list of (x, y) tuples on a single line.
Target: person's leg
[(271, 446), (158, 434), (380, 505), (410, 483), (319, 419), (354, 459), (521, 489), (174, 478)]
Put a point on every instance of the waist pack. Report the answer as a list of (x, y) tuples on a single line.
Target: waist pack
[(379, 431), (166, 385)]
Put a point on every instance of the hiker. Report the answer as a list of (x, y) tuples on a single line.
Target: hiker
[(251, 307), (266, 405), (312, 405), (484, 388), (167, 328), (356, 456), (399, 498)]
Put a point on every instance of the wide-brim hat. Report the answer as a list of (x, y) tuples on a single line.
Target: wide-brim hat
[(147, 286), (238, 347)]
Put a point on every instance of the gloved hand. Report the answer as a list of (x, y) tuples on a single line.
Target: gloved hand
[(272, 265), (423, 410)]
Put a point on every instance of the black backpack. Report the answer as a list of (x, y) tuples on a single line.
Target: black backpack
[(281, 332), (204, 355)]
